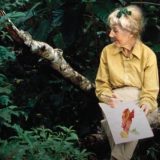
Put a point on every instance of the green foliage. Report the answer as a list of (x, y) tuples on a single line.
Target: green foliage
[(39, 143), (9, 6), (13, 16), (156, 48), (4, 100), (7, 110), (152, 152), (6, 55), (58, 40), (7, 113), (123, 2), (102, 9), (5, 91), (5, 87), (5, 36), (42, 144)]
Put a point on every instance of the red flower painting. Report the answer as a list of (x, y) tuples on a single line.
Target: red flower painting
[(127, 117)]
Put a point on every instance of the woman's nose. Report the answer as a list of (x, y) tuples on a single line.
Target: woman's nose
[(111, 34)]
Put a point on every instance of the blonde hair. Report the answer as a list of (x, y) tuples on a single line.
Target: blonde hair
[(132, 21)]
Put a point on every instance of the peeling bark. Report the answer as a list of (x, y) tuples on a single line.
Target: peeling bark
[(54, 55)]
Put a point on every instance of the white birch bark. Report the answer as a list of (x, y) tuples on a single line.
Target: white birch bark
[(54, 55)]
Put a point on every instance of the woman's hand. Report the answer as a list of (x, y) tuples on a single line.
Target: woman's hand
[(146, 108), (111, 100)]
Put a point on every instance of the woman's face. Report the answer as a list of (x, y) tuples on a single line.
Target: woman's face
[(120, 36)]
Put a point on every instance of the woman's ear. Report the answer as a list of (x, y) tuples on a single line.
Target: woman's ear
[(132, 35)]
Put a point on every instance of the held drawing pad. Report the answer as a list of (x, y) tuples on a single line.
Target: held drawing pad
[(127, 122)]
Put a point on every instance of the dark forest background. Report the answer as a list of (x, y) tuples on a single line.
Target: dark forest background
[(43, 116)]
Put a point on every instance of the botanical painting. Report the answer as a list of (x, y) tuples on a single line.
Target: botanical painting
[(126, 121)]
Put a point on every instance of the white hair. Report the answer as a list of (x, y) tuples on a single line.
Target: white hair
[(133, 22)]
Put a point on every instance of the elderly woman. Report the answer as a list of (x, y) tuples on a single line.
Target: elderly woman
[(127, 71)]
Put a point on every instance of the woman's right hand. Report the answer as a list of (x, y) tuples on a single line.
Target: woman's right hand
[(111, 100)]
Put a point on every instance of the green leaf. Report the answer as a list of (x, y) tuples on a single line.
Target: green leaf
[(28, 14), (102, 9), (5, 100), (2, 78), (72, 137), (41, 32), (57, 16), (58, 41), (5, 90), (123, 2), (15, 15), (156, 47), (7, 112), (6, 55), (18, 129)]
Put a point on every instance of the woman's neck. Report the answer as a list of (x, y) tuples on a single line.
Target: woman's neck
[(127, 49)]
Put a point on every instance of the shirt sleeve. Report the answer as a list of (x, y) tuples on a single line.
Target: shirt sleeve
[(103, 87), (150, 86)]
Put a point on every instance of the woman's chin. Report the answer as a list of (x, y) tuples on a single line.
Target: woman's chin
[(117, 44)]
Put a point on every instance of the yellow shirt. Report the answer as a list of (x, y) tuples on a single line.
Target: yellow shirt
[(139, 70)]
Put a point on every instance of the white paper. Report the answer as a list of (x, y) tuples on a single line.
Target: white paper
[(139, 125)]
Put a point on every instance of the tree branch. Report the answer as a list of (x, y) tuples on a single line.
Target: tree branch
[(54, 55), (147, 3)]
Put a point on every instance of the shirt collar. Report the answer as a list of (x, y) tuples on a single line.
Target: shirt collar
[(136, 50)]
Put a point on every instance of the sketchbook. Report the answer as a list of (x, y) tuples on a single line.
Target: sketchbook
[(127, 122)]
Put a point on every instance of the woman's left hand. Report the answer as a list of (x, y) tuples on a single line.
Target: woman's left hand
[(146, 108)]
